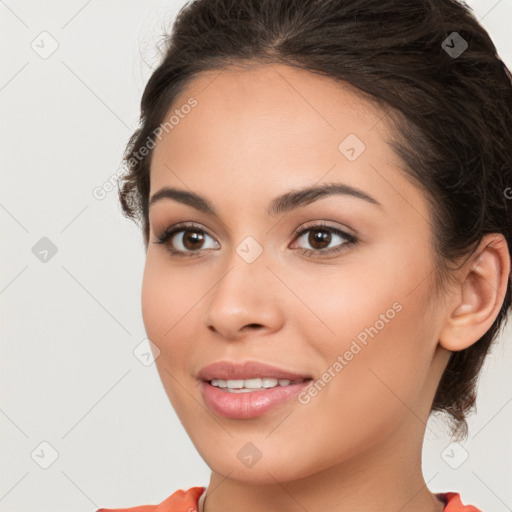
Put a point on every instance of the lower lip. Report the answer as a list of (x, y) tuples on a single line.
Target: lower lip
[(251, 404)]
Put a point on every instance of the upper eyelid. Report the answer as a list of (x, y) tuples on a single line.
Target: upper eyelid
[(322, 224), (308, 225)]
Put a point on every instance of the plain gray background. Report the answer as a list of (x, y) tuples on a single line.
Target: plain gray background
[(76, 395)]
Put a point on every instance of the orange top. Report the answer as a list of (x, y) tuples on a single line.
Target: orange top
[(186, 501)]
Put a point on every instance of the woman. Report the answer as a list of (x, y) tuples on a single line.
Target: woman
[(321, 186)]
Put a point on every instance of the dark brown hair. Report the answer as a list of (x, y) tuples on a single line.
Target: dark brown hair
[(450, 107)]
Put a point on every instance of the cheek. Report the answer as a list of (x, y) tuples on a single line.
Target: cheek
[(156, 303), (380, 299), (168, 299), (383, 295), (168, 312)]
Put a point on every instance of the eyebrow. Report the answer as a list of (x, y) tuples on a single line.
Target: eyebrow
[(282, 204)]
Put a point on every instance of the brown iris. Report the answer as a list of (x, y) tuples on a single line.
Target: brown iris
[(321, 236)]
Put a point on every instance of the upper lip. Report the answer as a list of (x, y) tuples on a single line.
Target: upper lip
[(246, 370)]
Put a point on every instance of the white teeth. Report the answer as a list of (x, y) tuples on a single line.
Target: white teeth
[(245, 385), (252, 383), (269, 382)]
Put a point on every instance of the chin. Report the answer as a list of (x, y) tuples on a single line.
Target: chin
[(276, 466)]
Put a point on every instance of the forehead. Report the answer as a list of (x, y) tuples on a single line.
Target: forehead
[(275, 106), (274, 127)]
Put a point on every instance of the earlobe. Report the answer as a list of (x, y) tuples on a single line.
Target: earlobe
[(479, 294)]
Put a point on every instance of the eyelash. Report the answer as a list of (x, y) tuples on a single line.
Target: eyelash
[(351, 240)]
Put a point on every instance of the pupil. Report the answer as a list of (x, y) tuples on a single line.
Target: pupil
[(195, 238), (320, 236)]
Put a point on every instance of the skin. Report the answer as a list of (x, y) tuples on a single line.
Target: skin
[(356, 446)]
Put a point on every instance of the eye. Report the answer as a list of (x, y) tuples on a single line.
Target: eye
[(191, 240), (188, 239), (321, 236)]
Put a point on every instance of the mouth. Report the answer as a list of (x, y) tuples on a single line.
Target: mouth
[(249, 389)]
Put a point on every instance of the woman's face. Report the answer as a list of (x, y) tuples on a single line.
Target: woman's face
[(353, 312)]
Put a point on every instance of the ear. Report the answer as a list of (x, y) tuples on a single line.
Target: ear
[(478, 294)]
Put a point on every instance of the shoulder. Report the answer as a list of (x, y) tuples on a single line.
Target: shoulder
[(179, 501), (454, 503)]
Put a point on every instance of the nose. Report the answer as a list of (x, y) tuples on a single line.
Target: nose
[(247, 299)]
